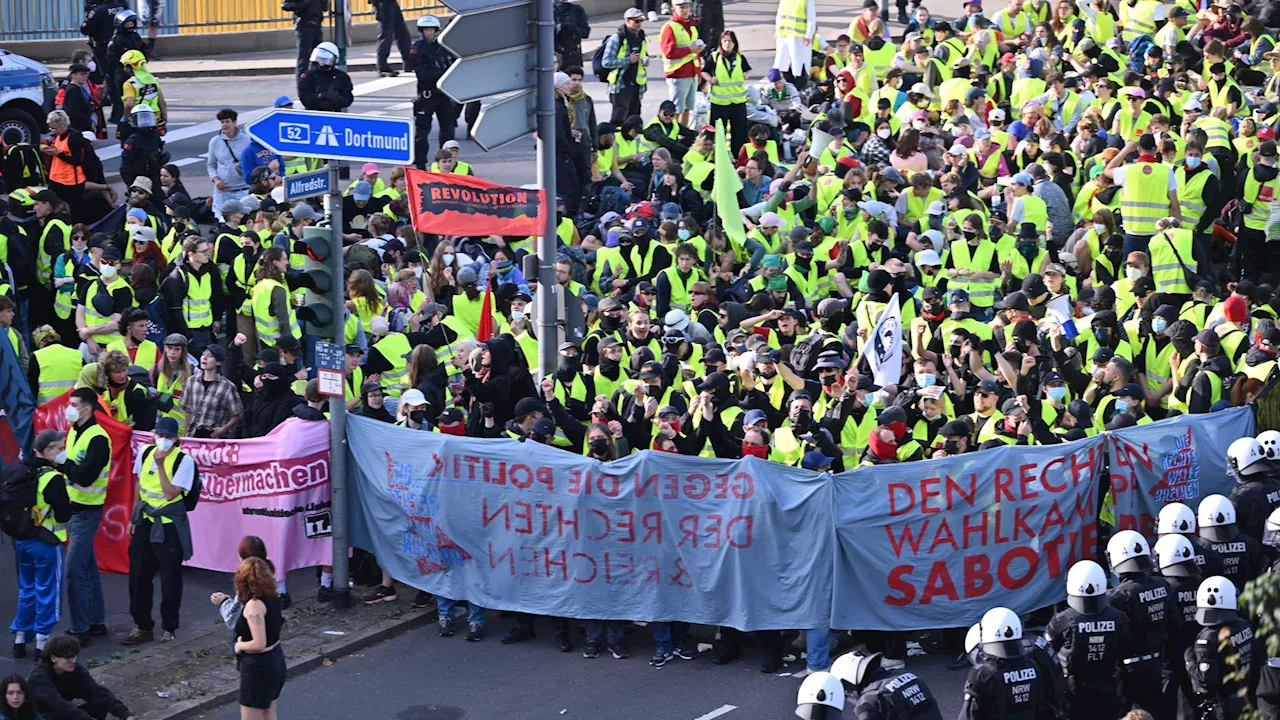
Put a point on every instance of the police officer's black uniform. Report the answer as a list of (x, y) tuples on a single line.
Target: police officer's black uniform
[(142, 155), (1207, 559), (308, 27), (1242, 557), (1004, 689), (1224, 672), (429, 60), (99, 24), (1153, 616), (126, 38), (895, 695), (326, 88), (1177, 686), (1089, 650), (1254, 497)]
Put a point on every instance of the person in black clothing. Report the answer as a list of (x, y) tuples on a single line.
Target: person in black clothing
[(259, 656), (1088, 638), (77, 99), (428, 60), (99, 24), (308, 20), (1006, 685), (141, 152), (65, 690), (391, 28), (571, 29), (272, 403), (323, 86), (371, 400), (880, 694), (568, 180), (126, 38), (1153, 617)]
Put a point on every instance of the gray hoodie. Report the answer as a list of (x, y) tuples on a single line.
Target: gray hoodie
[(224, 159)]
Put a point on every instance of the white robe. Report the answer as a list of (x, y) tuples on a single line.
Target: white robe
[(793, 53)]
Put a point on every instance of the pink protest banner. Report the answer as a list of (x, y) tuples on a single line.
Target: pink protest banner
[(275, 487)]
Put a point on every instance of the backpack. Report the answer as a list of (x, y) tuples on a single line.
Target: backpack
[(190, 498), (805, 353), (18, 485), (597, 62), (22, 260), (23, 167)]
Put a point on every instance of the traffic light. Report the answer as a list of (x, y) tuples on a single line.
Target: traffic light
[(316, 279)]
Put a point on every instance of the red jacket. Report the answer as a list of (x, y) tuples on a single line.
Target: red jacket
[(667, 45)]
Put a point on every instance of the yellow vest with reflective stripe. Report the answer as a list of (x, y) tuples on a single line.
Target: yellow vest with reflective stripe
[(981, 294), (173, 386), (786, 448), (65, 296), (264, 320), (730, 87), (78, 442), (1166, 269), (1191, 195), (1144, 199), (197, 305), (150, 491), (44, 261), (1261, 372), (59, 367), (394, 347), (1138, 19), (680, 287), (1218, 131), (685, 37), (1260, 196), (1035, 211), (1158, 369), (91, 316), (1219, 96), (791, 19), (44, 511), (147, 353), (642, 77)]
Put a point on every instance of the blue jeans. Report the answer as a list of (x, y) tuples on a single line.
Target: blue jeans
[(39, 586), (817, 644), (669, 635), (84, 584), (1135, 243), (475, 613)]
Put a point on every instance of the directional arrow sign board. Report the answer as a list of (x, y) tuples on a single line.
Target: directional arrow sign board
[(337, 136), (490, 30), (505, 121), (494, 42), (476, 77)]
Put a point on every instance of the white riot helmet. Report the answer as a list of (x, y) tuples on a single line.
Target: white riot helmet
[(973, 643), (125, 16), (821, 697), (1176, 556), (1128, 552), (853, 668), (428, 21), (142, 116), (1001, 633), (1087, 588), (326, 53), (1216, 601), (1270, 442), (1217, 518), (1248, 457), (1271, 530), (1176, 518)]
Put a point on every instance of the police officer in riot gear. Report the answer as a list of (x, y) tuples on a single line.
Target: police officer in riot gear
[(1089, 638), (1147, 603), (323, 86), (1035, 647), (1269, 674), (126, 38), (308, 30), (1178, 519), (1177, 559), (428, 59), (1270, 442), (879, 694), (1006, 685), (1223, 666), (821, 697), (1257, 490), (1243, 557), (143, 152)]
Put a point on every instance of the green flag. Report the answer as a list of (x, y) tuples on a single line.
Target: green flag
[(724, 191)]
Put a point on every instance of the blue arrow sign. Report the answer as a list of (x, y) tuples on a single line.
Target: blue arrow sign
[(305, 185), (337, 136)]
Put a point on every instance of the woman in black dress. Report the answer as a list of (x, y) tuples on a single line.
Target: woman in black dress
[(257, 648)]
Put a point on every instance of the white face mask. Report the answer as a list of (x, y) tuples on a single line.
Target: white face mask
[(884, 133), (447, 258), (1132, 273), (60, 458), (108, 271), (1099, 228), (72, 414), (164, 443), (517, 315), (417, 271)]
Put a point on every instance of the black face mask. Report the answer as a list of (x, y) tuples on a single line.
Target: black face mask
[(569, 365), (609, 366), (800, 419), (609, 324), (599, 446), (418, 416), (115, 384), (951, 447)]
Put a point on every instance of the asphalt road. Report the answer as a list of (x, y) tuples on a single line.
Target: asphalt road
[(420, 676)]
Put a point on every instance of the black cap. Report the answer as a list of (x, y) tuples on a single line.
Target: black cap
[(268, 356), (713, 382), (1010, 406), (650, 370), (1014, 301), (605, 128), (45, 195), (1144, 286), (288, 343), (954, 428), (866, 382), (450, 416), (1025, 329), (1033, 285), (529, 405), (988, 386), (933, 292), (1028, 230), (1168, 312), (1129, 390), (111, 253), (1081, 411), (543, 427)]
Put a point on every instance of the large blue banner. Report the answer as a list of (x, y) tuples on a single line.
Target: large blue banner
[(654, 537), (1175, 460), (936, 544)]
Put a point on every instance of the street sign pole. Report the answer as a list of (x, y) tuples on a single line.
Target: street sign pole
[(548, 350), (338, 408)]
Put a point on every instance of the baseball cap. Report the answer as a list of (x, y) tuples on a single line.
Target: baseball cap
[(1023, 178), (450, 145), (928, 257), (753, 417), (369, 169), (362, 191), (633, 14), (772, 220), (303, 211), (988, 386), (166, 427), (283, 101)]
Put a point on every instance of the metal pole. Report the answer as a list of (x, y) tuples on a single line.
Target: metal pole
[(338, 407), (340, 31), (548, 338)]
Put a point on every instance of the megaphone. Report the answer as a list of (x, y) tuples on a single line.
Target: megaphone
[(823, 135)]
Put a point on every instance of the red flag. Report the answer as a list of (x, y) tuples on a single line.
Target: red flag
[(485, 331), (448, 204)]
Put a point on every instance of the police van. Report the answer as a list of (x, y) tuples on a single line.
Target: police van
[(27, 89)]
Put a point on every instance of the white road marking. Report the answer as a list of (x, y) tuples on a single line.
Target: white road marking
[(212, 126), (375, 112), (722, 710), (187, 161)]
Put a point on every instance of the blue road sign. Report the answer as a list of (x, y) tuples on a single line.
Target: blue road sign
[(338, 136), (330, 356), (305, 185)]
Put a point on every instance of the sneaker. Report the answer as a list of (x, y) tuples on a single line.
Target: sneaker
[(683, 653), (517, 634), (99, 630), (167, 636), (591, 651), (770, 664), (388, 73), (446, 627), (285, 601), (889, 664), (806, 673), (137, 636), (661, 658), (563, 643), (380, 594), (653, 16), (423, 599), (475, 633), (619, 652), (83, 637), (324, 594), (20, 650), (727, 655)]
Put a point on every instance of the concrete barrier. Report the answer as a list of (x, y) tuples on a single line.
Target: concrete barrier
[(206, 44)]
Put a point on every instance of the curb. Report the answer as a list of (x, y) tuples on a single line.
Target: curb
[(354, 66), (303, 664)]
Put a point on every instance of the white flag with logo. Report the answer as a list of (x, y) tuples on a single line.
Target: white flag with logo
[(884, 348)]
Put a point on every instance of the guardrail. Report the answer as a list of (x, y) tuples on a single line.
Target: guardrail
[(60, 19)]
